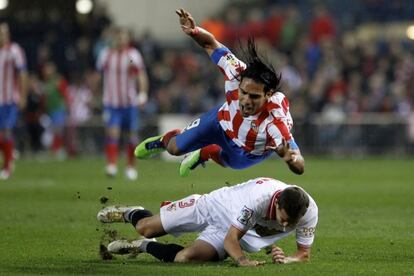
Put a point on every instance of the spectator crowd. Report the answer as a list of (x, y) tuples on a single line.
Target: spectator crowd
[(324, 69)]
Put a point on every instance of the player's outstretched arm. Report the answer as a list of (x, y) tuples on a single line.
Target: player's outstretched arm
[(232, 247), (292, 157), (302, 255), (204, 38)]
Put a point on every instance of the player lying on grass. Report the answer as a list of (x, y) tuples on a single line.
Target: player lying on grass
[(253, 122), (249, 216)]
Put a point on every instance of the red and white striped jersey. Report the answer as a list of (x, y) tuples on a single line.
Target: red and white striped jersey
[(253, 133), (120, 68), (12, 61)]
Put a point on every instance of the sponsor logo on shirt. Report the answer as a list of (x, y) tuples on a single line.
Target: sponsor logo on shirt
[(308, 231), (172, 207), (245, 215)]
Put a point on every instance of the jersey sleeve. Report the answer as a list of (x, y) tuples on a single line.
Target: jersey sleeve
[(19, 58), (228, 63), (246, 218), (137, 61), (282, 123), (305, 231)]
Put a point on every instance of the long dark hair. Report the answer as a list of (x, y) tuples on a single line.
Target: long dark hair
[(259, 69)]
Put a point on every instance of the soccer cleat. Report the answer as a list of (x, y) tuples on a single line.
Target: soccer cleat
[(4, 174), (131, 173), (112, 214), (149, 147), (111, 170), (190, 162), (123, 247)]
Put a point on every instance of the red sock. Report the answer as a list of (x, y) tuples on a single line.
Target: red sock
[(111, 150), (211, 152), (167, 136), (8, 146), (57, 142), (130, 155)]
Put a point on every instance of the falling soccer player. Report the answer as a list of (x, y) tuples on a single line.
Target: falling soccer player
[(253, 122)]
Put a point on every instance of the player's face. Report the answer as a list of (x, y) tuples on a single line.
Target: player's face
[(251, 97), (4, 34), (122, 39), (282, 217)]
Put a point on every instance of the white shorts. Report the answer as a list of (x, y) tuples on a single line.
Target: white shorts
[(182, 216), (189, 215)]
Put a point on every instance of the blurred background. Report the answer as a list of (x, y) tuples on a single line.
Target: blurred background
[(347, 67)]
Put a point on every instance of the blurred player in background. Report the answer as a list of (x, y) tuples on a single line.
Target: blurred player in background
[(57, 105), (252, 123), (13, 82), (249, 216), (122, 67)]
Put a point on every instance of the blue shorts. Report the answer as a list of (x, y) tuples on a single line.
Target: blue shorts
[(58, 118), (125, 118), (8, 116), (205, 131)]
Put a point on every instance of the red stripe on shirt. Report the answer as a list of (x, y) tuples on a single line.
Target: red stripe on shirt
[(285, 105), (252, 133), (283, 129), (237, 121), (223, 115)]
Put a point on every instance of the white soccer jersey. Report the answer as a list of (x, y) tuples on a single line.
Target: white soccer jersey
[(120, 68), (255, 132), (12, 60), (250, 208)]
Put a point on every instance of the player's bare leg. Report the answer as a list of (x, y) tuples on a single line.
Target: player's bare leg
[(198, 251)]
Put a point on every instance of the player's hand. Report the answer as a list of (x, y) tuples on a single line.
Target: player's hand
[(142, 98), (284, 151), (278, 256), (243, 261), (187, 22)]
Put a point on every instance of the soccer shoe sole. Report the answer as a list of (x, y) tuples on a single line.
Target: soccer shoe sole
[(188, 162), (123, 247), (141, 151), (113, 214)]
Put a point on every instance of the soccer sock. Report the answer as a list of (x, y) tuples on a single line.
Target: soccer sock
[(211, 152), (134, 216), (130, 154), (167, 136), (8, 146), (57, 142), (111, 151), (163, 252)]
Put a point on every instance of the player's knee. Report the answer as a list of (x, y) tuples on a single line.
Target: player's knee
[(145, 229)]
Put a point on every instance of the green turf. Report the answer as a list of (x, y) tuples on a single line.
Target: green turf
[(48, 209)]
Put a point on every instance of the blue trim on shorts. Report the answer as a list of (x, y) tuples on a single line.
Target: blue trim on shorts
[(8, 116), (207, 132), (58, 118)]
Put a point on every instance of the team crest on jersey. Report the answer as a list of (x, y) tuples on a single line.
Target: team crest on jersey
[(254, 126), (245, 215), (172, 207)]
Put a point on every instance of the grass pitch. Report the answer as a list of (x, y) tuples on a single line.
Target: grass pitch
[(48, 224)]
